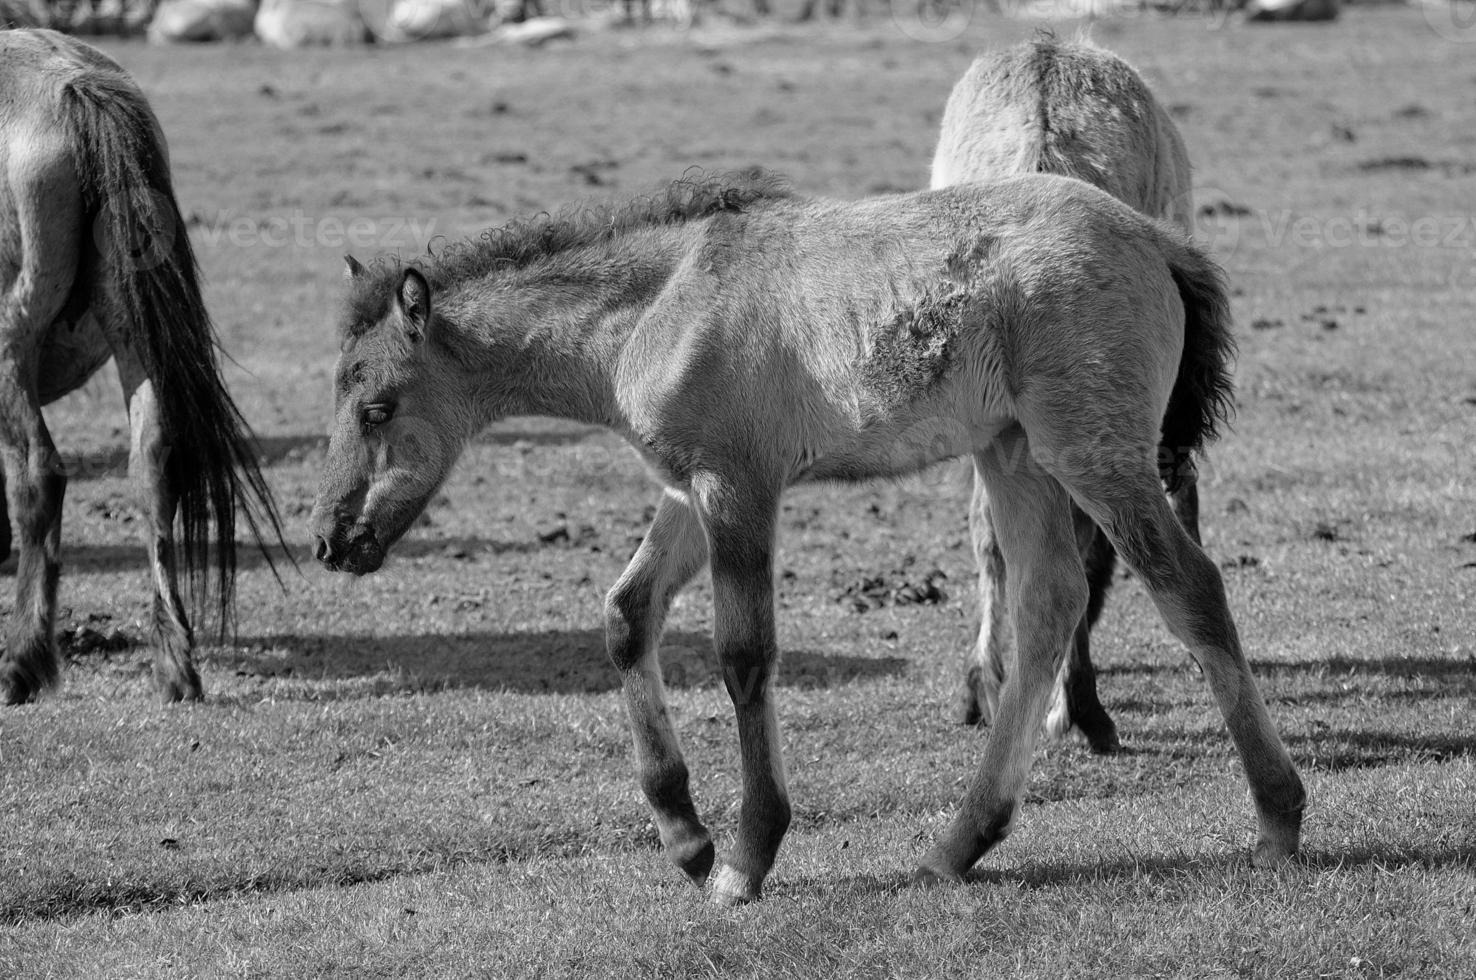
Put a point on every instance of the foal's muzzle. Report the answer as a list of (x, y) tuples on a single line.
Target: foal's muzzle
[(358, 552)]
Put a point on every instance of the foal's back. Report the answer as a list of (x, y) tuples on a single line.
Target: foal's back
[(1065, 108), (869, 338)]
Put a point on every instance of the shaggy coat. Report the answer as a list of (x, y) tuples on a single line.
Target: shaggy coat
[(742, 340)]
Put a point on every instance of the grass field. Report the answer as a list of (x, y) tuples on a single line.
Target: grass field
[(425, 772)]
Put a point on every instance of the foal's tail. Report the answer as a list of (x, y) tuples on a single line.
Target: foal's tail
[(211, 462), (1203, 395)]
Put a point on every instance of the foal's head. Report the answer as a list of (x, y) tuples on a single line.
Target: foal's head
[(401, 417)]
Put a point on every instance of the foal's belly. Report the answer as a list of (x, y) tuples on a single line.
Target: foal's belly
[(71, 353), (902, 448)]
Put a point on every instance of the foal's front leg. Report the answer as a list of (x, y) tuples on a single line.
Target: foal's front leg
[(672, 552), (740, 531)]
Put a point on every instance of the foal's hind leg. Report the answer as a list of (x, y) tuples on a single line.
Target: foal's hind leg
[(175, 677), (36, 486), (672, 552), (1047, 597), (1190, 595)]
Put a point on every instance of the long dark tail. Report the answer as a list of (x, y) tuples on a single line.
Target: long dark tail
[(137, 227), (1203, 394)]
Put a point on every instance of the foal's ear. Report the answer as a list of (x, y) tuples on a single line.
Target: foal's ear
[(352, 267), (414, 300)]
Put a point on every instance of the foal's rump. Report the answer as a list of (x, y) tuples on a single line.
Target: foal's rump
[(1113, 318)]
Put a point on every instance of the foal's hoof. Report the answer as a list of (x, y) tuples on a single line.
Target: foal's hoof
[(732, 888)]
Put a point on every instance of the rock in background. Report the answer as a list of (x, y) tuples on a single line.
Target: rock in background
[(187, 21)]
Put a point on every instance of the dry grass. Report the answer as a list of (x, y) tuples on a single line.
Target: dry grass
[(425, 773)]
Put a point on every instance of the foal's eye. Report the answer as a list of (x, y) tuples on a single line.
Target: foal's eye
[(376, 415)]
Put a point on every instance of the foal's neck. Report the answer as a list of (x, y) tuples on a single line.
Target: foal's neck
[(546, 339)]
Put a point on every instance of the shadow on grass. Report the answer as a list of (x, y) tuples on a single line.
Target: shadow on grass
[(1168, 868), (1335, 751), (547, 662), (1459, 671), (182, 880), (1177, 753), (1174, 868), (97, 559)]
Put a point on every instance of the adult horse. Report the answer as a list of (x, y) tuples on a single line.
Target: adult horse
[(1080, 111), (95, 263), (744, 340)]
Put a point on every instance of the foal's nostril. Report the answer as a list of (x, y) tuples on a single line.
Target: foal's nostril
[(322, 550)]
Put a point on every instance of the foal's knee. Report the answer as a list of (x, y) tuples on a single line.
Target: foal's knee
[(626, 612)]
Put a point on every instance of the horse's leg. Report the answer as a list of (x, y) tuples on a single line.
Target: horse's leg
[(36, 486), (740, 525), (1185, 498), (672, 551), (1190, 595), (1077, 698), (175, 677), (988, 662), (1047, 596)]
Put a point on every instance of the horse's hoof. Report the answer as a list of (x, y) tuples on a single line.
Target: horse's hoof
[(731, 889), (17, 689), (965, 709), (1103, 743), (926, 877), (1271, 854), (24, 677), (695, 860)]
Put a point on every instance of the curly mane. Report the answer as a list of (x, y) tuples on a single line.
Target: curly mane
[(524, 241)]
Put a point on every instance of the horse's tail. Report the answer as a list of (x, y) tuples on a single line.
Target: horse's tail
[(1203, 395), (211, 463)]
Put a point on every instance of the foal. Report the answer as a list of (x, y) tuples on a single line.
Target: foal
[(744, 340), (1080, 111)]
